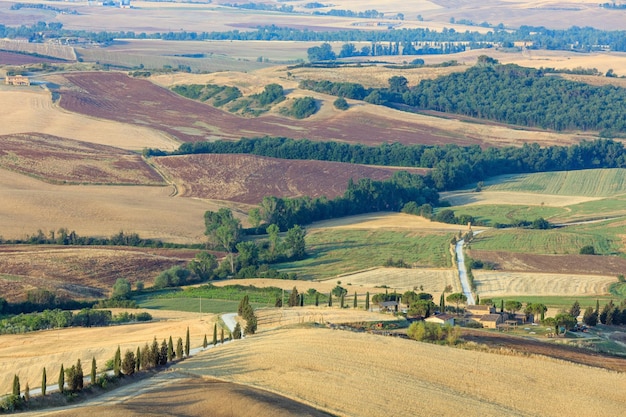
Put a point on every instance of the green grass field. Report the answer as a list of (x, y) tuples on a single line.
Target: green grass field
[(590, 183), (555, 241), (506, 214), (193, 305), (336, 251)]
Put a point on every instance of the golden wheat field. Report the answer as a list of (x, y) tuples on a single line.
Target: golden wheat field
[(31, 110), (93, 210), (27, 354), (497, 283), (357, 374), (432, 281)]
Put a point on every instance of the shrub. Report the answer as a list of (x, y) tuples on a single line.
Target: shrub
[(341, 104), (587, 250)]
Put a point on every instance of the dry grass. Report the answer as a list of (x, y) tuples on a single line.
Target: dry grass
[(355, 374), (497, 284), (27, 354), (431, 281), (90, 210), (32, 110), (385, 220)]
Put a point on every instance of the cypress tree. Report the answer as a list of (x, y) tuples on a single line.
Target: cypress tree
[(138, 360), (62, 380), (214, 334), (330, 299), (222, 335), (170, 350), (179, 348), (355, 300), (146, 363), (163, 353), (154, 353), (80, 376), (16, 385), (317, 299), (367, 300), (44, 382), (302, 300), (93, 371), (187, 344), (205, 343), (27, 393), (502, 306), (442, 303), (117, 363), (477, 299), (342, 299)]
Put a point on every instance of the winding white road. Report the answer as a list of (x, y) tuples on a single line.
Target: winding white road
[(460, 258)]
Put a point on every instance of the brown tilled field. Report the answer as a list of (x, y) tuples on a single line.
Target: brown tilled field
[(59, 160), (249, 178), (14, 58), (80, 272), (557, 264)]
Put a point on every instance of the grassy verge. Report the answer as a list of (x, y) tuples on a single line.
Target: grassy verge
[(334, 252), (507, 214)]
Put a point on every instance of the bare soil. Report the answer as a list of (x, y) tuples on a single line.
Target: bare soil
[(80, 272), (13, 58), (60, 160), (560, 264), (250, 178)]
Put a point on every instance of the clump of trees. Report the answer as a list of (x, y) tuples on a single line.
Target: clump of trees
[(431, 332), (246, 311), (301, 108)]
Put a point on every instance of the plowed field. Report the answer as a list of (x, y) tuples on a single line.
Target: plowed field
[(80, 272), (249, 178), (115, 96), (13, 58), (60, 160), (557, 264)]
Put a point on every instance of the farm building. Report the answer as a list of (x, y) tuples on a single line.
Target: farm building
[(480, 310), (441, 319), (388, 306), (491, 321), (16, 80)]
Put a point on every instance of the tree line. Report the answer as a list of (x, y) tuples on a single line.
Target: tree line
[(453, 166), (537, 37)]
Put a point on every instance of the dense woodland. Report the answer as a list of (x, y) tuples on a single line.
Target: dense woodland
[(505, 93), (575, 38), (453, 166)]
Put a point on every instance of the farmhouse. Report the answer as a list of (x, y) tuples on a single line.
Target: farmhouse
[(480, 310), (491, 321), (16, 80), (441, 319), (388, 306)]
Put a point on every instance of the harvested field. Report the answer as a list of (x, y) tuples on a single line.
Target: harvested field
[(60, 160), (432, 281), (556, 264), (14, 58), (386, 220), (92, 210), (367, 370), (491, 284), (194, 396), (27, 354), (32, 110), (80, 272), (115, 96), (249, 178)]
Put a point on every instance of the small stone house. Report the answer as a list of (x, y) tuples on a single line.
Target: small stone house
[(441, 319), (480, 310), (491, 321), (16, 80)]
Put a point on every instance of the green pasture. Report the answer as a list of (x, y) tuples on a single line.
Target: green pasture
[(193, 305), (554, 241), (607, 207), (332, 252), (505, 214), (590, 183)]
